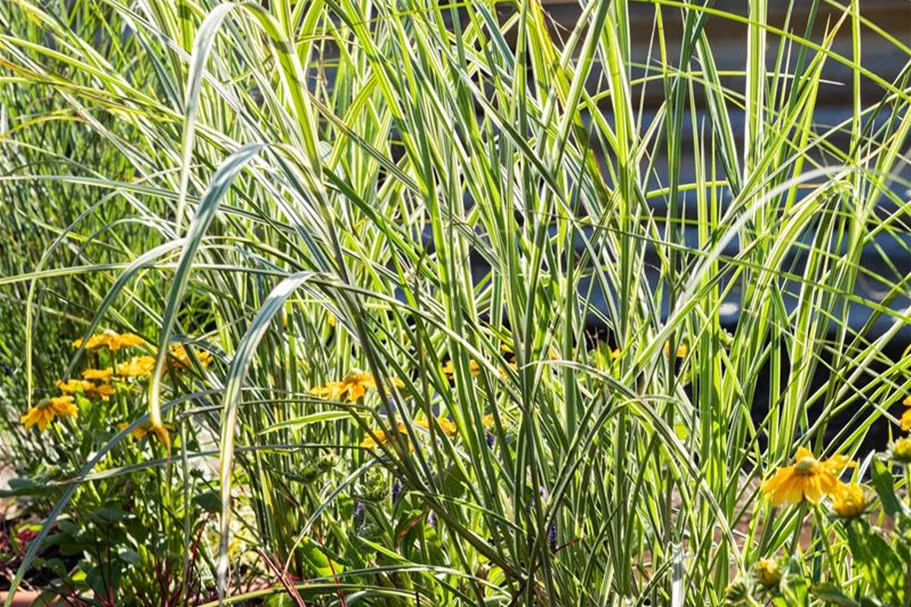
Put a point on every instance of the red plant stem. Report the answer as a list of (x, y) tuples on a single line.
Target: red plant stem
[(284, 579), (338, 586)]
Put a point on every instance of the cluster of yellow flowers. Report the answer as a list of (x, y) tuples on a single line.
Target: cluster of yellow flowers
[(64, 405), (97, 382), (75, 386), (356, 384), (810, 479), (445, 424)]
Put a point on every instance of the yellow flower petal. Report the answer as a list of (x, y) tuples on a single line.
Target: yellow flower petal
[(179, 359), (73, 386), (98, 374), (138, 366), (446, 425), (906, 420)]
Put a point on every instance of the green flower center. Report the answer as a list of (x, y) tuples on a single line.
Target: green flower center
[(806, 465)]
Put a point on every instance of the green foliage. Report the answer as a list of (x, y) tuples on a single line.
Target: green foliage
[(386, 228)]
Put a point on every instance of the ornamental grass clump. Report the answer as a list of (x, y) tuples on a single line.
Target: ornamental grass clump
[(442, 304)]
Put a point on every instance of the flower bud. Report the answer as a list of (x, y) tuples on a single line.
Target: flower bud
[(849, 501), (768, 573), (901, 450)]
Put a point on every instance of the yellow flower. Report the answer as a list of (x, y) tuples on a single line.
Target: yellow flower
[(105, 391), (446, 424), (487, 421), (111, 340), (44, 413), (849, 501), (768, 572), (682, 350), (138, 366), (39, 415), (808, 479), (473, 367), (906, 416), (98, 374), (95, 342), (906, 420), (615, 354), (352, 387), (369, 443), (142, 430), (73, 386), (124, 340), (138, 432), (179, 358)]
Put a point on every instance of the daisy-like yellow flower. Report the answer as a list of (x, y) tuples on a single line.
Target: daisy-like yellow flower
[(446, 424), (369, 443), (110, 340), (849, 501), (488, 421), (382, 438), (179, 359), (95, 342), (352, 387), (138, 366), (808, 479), (73, 386), (473, 367), (44, 412), (142, 430), (98, 374), (124, 340), (138, 432)]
